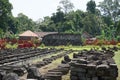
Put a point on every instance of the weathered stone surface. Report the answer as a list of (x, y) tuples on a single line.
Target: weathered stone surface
[(53, 76), (102, 70), (10, 76), (2, 73), (66, 58), (73, 78), (62, 39), (33, 73), (19, 71), (93, 65)]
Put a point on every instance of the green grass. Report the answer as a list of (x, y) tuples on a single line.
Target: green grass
[(53, 65), (117, 60), (75, 47), (69, 47), (48, 56)]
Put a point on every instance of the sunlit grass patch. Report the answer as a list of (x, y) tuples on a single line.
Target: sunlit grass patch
[(117, 60)]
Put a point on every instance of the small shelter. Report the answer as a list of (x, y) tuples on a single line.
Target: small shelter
[(28, 35)]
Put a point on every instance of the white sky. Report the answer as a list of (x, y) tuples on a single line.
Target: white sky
[(36, 9)]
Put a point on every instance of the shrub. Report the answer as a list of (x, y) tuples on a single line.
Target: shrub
[(42, 45), (118, 44), (12, 46), (118, 38)]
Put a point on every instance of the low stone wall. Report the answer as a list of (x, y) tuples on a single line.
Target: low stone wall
[(93, 65), (62, 39)]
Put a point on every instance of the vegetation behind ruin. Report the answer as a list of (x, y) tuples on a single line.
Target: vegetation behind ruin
[(98, 20)]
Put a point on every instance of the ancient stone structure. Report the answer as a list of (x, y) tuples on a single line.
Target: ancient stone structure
[(56, 73), (93, 65), (62, 69), (33, 73), (62, 39), (10, 76), (66, 59)]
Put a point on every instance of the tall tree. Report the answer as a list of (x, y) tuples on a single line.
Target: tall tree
[(75, 18), (91, 6), (5, 14), (47, 24), (67, 6), (24, 23), (110, 8), (93, 24), (118, 28), (58, 16)]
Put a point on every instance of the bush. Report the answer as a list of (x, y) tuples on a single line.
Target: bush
[(118, 44), (12, 46), (118, 38), (42, 45)]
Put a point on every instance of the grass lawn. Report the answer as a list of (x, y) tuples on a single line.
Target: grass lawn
[(75, 47), (117, 60)]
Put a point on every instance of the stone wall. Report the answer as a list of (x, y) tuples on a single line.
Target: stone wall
[(62, 39)]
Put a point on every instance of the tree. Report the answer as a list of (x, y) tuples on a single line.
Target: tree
[(91, 6), (118, 28), (5, 14), (75, 18), (67, 26), (58, 19), (38, 25), (59, 16), (67, 6), (12, 23), (110, 8), (93, 24), (24, 23), (48, 25)]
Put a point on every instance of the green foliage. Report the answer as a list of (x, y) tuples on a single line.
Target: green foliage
[(67, 6), (100, 37), (58, 16), (69, 45), (93, 24), (91, 6), (103, 22), (118, 38), (24, 23), (42, 45), (5, 15), (110, 8), (118, 27), (1, 33), (11, 46)]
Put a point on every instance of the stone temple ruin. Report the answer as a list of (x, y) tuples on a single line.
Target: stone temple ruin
[(93, 65), (62, 39)]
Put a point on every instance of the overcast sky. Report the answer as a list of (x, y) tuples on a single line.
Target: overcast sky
[(36, 9)]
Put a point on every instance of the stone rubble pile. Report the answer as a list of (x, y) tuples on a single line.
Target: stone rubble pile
[(93, 65), (62, 69)]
